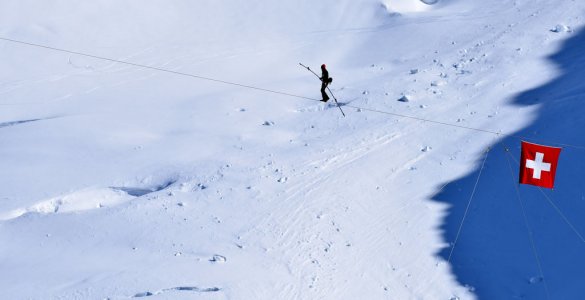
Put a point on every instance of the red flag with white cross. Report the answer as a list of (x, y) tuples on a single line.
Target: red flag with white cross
[(538, 164)]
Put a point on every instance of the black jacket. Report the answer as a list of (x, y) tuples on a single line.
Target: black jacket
[(324, 75)]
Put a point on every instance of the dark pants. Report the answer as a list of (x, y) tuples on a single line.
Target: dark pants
[(323, 93)]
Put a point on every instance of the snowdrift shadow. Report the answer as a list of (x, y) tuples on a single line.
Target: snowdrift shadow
[(13, 123), (141, 191), (19, 122), (494, 255)]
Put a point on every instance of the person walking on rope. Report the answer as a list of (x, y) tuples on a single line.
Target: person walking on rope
[(325, 81)]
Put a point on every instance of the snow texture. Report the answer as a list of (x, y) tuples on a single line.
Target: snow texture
[(123, 182)]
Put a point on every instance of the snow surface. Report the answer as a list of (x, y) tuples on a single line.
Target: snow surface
[(122, 182)]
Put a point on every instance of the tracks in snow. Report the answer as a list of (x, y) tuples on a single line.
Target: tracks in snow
[(307, 229), (194, 289)]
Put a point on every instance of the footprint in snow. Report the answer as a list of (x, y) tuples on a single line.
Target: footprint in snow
[(218, 259)]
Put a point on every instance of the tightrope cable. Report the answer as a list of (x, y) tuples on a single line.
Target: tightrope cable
[(153, 68), (276, 92)]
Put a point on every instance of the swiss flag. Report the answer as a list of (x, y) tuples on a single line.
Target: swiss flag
[(538, 164)]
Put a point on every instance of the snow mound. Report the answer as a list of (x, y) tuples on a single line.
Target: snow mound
[(559, 28), (408, 6), (77, 201)]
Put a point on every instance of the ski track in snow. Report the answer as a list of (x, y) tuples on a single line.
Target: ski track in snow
[(298, 210)]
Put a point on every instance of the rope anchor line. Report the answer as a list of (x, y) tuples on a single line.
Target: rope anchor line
[(550, 201), (528, 228), (487, 152)]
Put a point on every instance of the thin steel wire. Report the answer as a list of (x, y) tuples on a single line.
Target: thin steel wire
[(282, 93), (558, 210), (468, 205), (526, 223)]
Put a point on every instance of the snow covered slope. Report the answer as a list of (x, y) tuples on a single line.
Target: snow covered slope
[(120, 181)]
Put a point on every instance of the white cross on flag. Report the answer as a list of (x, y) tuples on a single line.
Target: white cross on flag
[(538, 164)]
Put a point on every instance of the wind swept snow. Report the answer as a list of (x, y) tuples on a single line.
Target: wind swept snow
[(206, 167)]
